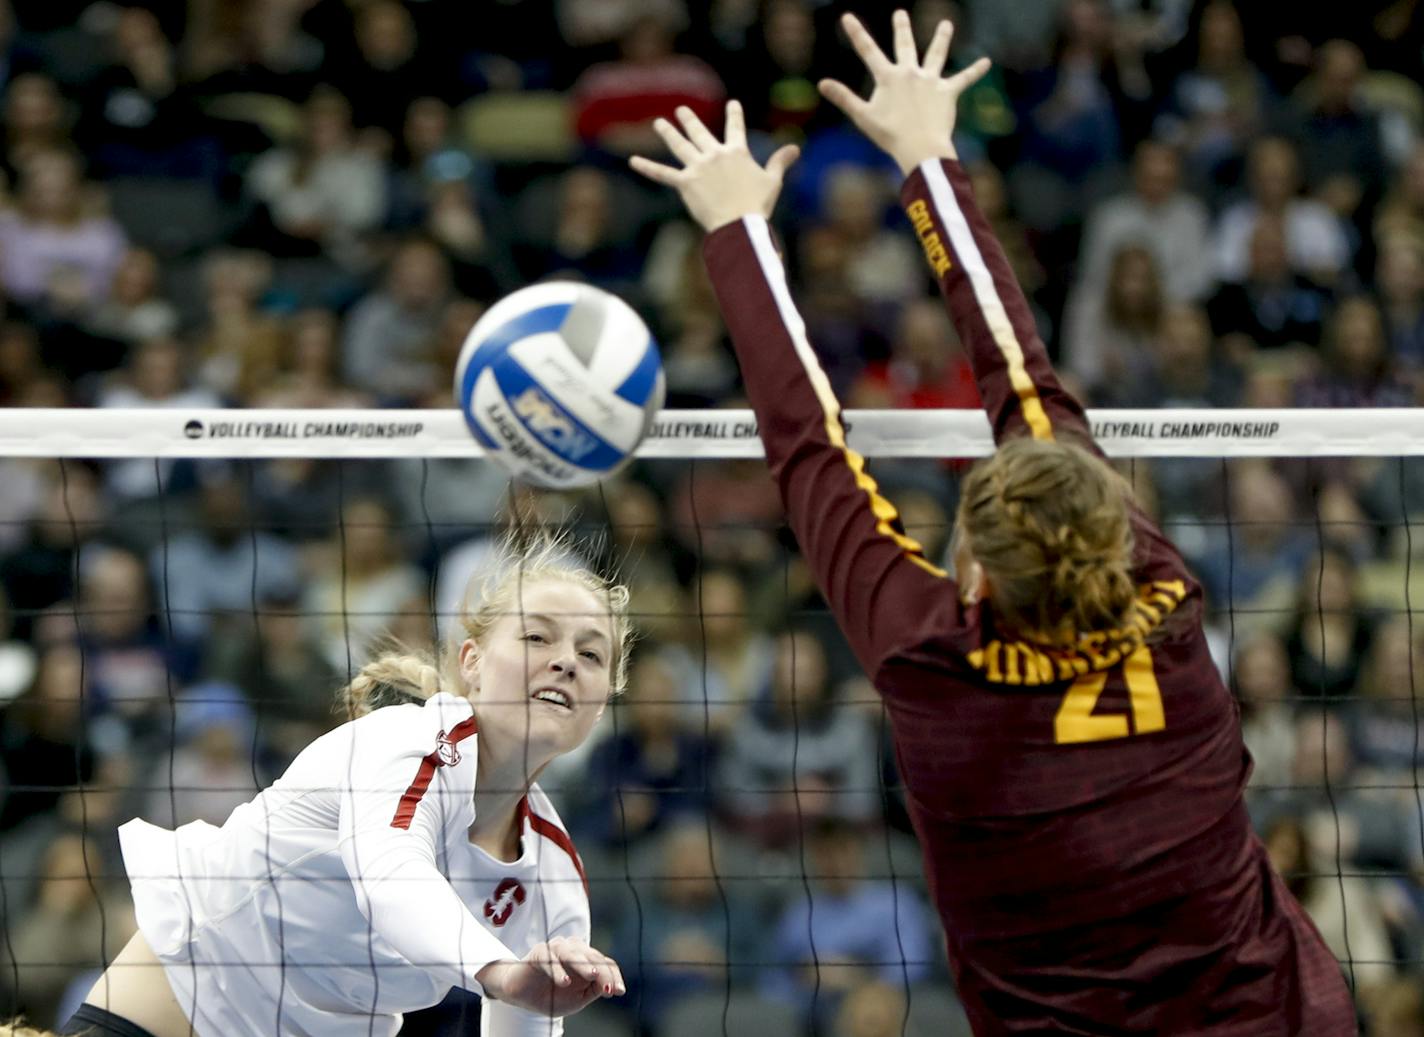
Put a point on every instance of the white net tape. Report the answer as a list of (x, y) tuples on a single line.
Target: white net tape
[(694, 433)]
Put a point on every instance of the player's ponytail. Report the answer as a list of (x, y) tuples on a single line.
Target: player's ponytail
[(1049, 523), (390, 679)]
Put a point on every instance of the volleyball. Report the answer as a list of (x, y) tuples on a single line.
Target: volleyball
[(560, 382)]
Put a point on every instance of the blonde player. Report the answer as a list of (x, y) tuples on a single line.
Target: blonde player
[(406, 852)]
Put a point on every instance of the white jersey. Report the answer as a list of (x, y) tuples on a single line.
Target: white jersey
[(349, 892)]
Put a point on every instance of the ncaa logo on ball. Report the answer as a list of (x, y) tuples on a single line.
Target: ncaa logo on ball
[(560, 382)]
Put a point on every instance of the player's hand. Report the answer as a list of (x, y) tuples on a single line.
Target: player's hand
[(555, 979), (911, 111), (719, 181)]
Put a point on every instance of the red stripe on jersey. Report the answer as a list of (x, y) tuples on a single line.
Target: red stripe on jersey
[(405, 810), (557, 836)]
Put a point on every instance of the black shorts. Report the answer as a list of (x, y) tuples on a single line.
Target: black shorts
[(93, 1021)]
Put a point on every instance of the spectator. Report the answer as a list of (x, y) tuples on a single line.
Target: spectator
[(361, 581), (1187, 369), (1217, 106), (1108, 339), (135, 309), (847, 927), (282, 670), (241, 346), (1330, 632), (215, 764), (774, 72), (927, 367), (1357, 371), (1157, 215), (387, 66), (1261, 678), (132, 658), (1342, 151), (38, 572), (1346, 908), (654, 770), (1073, 113), (1385, 722), (587, 239), (725, 661), (390, 334), (1402, 209), (615, 102), (310, 374), (1268, 549), (1272, 306), (216, 572), (44, 742), (55, 230), (140, 118), (693, 929), (36, 120), (1399, 282), (1316, 244), (318, 196), (882, 266), (80, 919), (800, 753)]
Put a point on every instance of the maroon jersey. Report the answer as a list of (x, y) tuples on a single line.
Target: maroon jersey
[(1080, 811)]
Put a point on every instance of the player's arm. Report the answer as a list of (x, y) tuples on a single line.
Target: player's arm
[(397, 796), (911, 115), (498, 1019), (882, 590)]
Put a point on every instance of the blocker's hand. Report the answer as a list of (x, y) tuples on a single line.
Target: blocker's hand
[(555, 979), (719, 181), (911, 111)]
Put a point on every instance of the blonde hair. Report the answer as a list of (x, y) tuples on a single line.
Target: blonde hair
[(1049, 523), (402, 674)]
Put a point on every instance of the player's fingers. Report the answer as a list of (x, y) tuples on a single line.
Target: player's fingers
[(696, 131), (904, 39), (781, 161), (842, 96), (865, 45), (680, 146), (965, 78), (615, 976), (655, 170), (553, 967), (736, 133), (938, 51), (580, 963)]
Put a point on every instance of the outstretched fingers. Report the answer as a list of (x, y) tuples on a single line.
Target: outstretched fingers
[(655, 171), (967, 77), (781, 161), (696, 130), (683, 149), (843, 97), (736, 131), (905, 53), (865, 45), (937, 53)]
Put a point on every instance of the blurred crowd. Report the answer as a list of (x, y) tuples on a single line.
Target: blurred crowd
[(308, 203)]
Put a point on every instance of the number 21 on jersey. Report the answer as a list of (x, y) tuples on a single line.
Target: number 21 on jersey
[(1076, 721)]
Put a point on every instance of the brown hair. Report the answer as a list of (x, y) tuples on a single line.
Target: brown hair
[(402, 674), (1049, 523)]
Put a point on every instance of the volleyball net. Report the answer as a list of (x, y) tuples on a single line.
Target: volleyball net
[(186, 590)]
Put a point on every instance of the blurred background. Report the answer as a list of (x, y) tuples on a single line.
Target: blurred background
[(307, 203)]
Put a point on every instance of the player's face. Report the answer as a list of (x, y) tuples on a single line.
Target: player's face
[(541, 677)]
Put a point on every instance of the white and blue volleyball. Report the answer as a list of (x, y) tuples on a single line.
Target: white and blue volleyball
[(560, 382)]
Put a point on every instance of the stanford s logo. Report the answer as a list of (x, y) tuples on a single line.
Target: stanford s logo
[(446, 750), (508, 895)]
